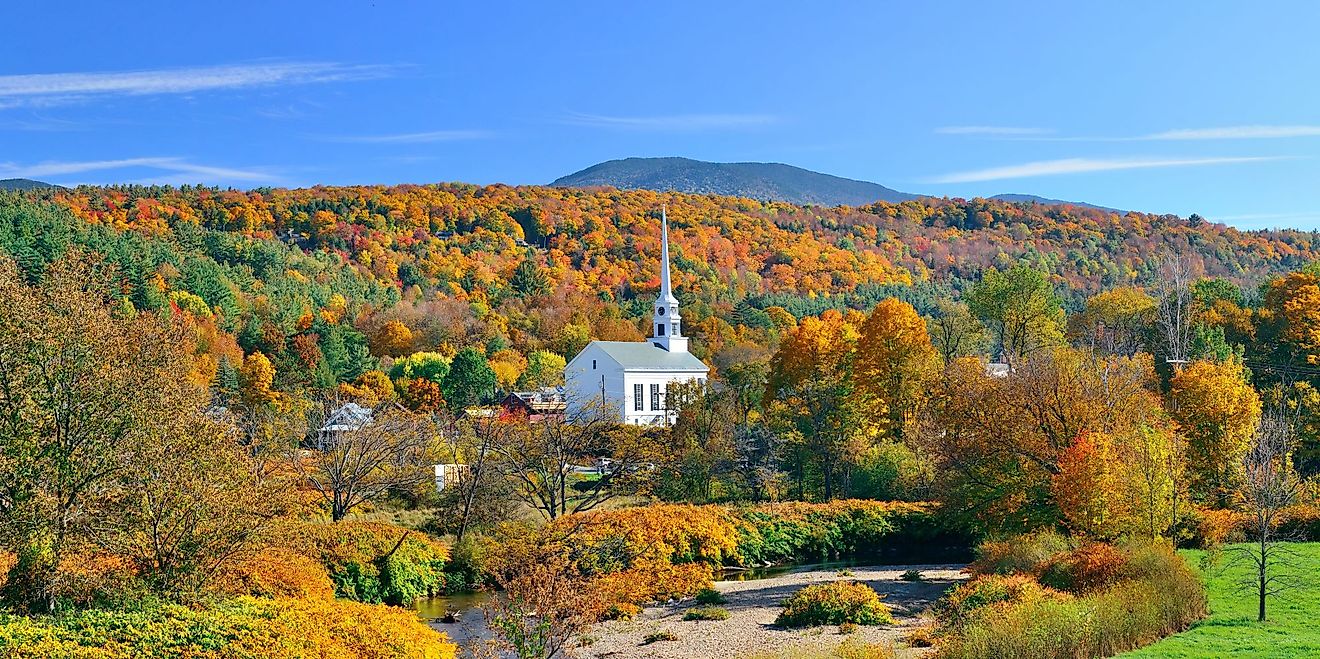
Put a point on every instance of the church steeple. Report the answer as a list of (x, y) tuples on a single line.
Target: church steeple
[(666, 330)]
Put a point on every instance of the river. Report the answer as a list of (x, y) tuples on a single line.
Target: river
[(468, 621)]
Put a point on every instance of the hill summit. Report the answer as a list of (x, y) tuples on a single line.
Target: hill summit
[(759, 180)]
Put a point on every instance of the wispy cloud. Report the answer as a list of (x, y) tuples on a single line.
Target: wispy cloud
[(181, 166), (1236, 133), (1249, 132), (673, 123), (1084, 165), (996, 131), (42, 89), (409, 138), (1293, 219)]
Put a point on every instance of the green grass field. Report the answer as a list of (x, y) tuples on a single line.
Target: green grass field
[(1292, 629)]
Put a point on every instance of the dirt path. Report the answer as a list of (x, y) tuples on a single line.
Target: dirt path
[(753, 606)]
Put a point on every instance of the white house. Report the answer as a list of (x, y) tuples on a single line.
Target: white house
[(631, 378)]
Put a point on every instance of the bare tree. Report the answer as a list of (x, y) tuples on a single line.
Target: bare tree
[(1175, 313), (572, 463), (268, 432), (1270, 485), (547, 602), (480, 496), (362, 453)]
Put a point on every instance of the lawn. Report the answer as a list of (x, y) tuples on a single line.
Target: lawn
[(1232, 631)]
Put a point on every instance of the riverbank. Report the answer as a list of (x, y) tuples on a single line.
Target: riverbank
[(753, 606)]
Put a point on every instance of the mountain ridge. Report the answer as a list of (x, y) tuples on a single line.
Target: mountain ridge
[(763, 181), (23, 184)]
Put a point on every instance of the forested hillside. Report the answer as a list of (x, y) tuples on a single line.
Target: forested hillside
[(330, 283)]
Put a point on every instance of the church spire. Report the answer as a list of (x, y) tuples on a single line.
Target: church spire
[(666, 290), (666, 330)]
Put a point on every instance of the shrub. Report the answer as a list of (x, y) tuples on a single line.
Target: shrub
[(1150, 595), (622, 611), (241, 627), (277, 573), (799, 531), (1020, 555), (710, 596), (1087, 568), (911, 575), (706, 613), (379, 563), (921, 637), (848, 628), (655, 637), (965, 601), (834, 604)]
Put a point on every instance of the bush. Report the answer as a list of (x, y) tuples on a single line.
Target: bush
[(834, 604), (795, 532), (379, 563), (848, 628), (1085, 569), (239, 628), (706, 613), (911, 575), (277, 573), (1124, 603), (962, 603), (710, 596), (1025, 554), (655, 637)]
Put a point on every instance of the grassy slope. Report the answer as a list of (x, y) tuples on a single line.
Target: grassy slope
[(1232, 631)]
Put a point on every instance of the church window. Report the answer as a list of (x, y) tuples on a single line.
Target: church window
[(593, 364), (660, 329), (638, 401), (676, 328), (655, 398)]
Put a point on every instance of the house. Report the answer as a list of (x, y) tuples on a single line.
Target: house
[(629, 379), (535, 405), (447, 475), (347, 418)]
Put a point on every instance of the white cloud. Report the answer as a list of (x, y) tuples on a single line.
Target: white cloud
[(1236, 133), (42, 89), (410, 138), (1083, 165), (677, 122), (201, 173), (1000, 131)]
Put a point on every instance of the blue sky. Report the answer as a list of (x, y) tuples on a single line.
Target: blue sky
[(1181, 107)]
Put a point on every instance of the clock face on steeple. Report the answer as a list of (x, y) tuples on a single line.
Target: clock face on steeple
[(659, 311)]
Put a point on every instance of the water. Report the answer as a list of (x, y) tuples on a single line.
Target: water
[(755, 573), (470, 621)]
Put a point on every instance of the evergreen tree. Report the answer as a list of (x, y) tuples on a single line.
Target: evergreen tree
[(470, 380), (528, 279)]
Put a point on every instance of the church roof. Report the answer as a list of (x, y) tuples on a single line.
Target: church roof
[(645, 356)]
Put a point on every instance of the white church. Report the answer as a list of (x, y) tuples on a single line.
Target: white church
[(630, 378)]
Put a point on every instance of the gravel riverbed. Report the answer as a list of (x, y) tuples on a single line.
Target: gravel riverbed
[(753, 606)]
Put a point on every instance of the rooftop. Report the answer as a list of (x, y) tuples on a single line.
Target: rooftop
[(645, 356)]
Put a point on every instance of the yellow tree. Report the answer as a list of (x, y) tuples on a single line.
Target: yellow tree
[(895, 363), (257, 377), (1115, 321), (1218, 410), (1151, 458), (1291, 315), (810, 389)]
